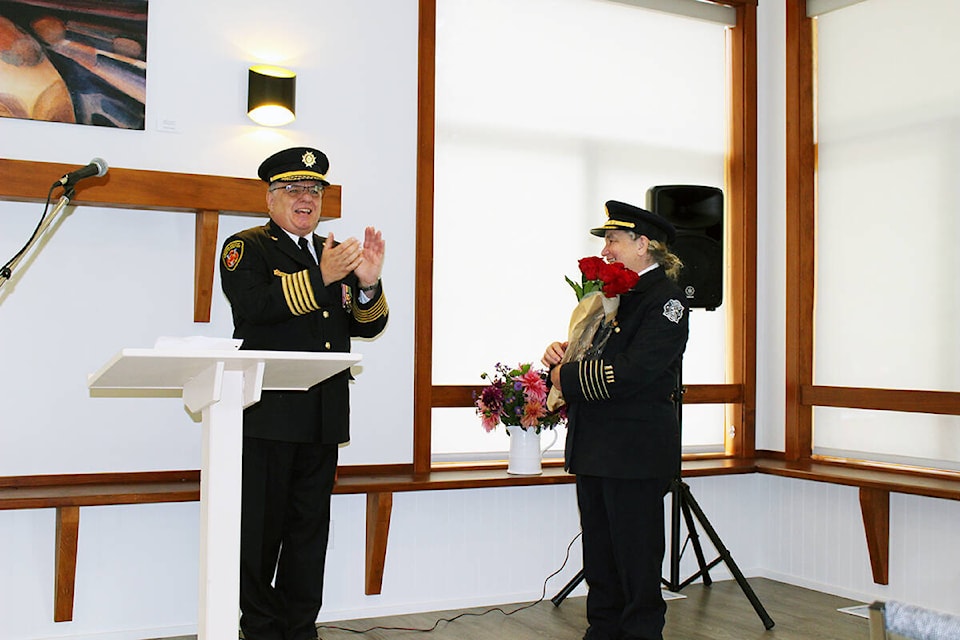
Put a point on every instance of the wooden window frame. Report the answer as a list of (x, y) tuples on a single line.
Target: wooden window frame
[(739, 395), (802, 395)]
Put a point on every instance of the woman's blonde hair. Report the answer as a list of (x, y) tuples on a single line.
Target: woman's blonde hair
[(670, 262)]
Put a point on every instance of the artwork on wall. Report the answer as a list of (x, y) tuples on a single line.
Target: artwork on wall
[(77, 61)]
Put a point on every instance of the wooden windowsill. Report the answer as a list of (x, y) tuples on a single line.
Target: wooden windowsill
[(896, 481), (68, 493)]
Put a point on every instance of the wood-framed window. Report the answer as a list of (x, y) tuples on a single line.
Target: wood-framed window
[(737, 393), (851, 183)]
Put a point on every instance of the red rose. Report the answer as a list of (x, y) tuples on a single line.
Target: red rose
[(591, 267), (609, 271), (618, 280)]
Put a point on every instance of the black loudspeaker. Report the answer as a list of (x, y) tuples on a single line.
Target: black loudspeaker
[(697, 214)]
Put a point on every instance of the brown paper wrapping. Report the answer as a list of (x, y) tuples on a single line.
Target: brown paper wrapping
[(584, 322)]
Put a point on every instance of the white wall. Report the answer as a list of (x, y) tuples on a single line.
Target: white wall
[(109, 279), (812, 535)]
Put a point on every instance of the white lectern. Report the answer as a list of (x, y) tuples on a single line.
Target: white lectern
[(220, 384)]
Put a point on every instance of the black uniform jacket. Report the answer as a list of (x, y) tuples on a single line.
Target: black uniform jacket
[(280, 304), (622, 419)]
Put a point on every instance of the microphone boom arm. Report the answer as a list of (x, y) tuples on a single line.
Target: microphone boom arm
[(97, 167), (6, 272)]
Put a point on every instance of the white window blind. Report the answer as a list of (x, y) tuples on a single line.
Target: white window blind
[(689, 8), (819, 7), (888, 291), (545, 109)]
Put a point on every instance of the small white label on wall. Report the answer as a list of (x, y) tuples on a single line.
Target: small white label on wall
[(168, 125)]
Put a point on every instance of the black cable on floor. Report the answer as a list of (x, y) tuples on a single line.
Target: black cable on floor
[(466, 613)]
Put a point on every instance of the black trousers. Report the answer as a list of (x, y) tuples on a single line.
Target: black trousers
[(284, 528), (623, 546)]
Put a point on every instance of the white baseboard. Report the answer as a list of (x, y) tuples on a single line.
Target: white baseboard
[(130, 634), (851, 594)]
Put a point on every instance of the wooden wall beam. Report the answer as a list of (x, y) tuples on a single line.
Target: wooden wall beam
[(741, 234), (465, 395), (28, 181), (801, 217), (423, 301), (206, 196), (68, 532), (908, 400), (379, 508), (875, 509), (204, 263)]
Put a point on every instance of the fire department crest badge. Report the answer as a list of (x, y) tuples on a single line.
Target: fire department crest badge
[(673, 311), (232, 254)]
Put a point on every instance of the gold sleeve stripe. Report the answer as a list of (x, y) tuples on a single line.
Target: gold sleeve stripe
[(374, 313), (307, 291), (589, 380), (290, 296), (298, 292), (594, 378)]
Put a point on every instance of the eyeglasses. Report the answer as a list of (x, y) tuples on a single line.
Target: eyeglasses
[(297, 190)]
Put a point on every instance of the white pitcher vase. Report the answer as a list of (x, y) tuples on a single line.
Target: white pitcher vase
[(525, 451)]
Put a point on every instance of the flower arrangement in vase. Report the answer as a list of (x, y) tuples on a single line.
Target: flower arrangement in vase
[(516, 397)]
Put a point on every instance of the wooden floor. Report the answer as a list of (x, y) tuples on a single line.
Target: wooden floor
[(718, 612)]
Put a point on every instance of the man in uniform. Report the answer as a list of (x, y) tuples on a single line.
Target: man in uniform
[(292, 290), (623, 440)]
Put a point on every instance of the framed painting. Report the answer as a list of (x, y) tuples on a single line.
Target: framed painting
[(77, 61)]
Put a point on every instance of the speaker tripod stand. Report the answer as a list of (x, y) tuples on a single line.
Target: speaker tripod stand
[(683, 504)]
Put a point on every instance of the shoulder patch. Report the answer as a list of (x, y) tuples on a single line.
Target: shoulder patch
[(673, 311), (232, 254)]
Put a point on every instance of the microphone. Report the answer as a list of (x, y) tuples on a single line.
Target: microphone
[(97, 167)]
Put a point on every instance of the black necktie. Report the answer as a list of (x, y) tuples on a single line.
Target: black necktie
[(305, 247)]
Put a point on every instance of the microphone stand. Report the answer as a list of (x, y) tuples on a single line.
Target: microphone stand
[(6, 272)]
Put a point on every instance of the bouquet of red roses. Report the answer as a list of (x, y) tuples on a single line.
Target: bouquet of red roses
[(612, 278), (592, 312)]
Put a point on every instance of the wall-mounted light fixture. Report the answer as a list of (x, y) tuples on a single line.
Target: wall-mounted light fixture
[(271, 95)]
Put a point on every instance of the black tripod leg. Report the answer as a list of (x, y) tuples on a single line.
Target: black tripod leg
[(675, 498), (679, 492), (728, 559), (570, 586), (694, 538)]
